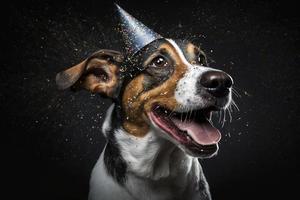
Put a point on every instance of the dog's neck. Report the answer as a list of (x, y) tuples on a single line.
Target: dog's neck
[(151, 156)]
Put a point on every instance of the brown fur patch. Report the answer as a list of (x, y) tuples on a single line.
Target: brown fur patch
[(137, 103), (95, 84), (190, 49), (67, 78), (195, 55), (134, 122), (98, 73)]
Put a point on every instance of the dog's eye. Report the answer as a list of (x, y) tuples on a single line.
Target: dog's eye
[(201, 59), (159, 62)]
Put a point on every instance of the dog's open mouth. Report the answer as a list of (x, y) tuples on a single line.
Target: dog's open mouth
[(193, 129)]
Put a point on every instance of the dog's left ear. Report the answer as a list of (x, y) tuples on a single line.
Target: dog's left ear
[(99, 73)]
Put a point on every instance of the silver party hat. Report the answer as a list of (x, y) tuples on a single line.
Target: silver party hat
[(135, 34)]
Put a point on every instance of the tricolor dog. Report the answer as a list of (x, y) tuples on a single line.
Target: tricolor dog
[(159, 124)]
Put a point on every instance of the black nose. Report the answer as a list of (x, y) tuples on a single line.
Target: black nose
[(216, 83)]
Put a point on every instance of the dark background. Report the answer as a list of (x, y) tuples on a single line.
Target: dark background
[(52, 138)]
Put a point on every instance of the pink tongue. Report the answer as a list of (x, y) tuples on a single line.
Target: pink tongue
[(203, 133)]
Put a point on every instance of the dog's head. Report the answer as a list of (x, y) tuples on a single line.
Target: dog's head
[(166, 86)]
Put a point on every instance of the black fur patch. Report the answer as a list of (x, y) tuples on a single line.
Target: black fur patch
[(113, 160), (114, 163)]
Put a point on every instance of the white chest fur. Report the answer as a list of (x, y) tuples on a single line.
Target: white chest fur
[(181, 183), (156, 170)]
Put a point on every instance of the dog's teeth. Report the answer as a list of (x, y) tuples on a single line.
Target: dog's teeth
[(189, 138), (156, 107)]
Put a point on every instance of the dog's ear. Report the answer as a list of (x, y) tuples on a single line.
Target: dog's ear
[(98, 73)]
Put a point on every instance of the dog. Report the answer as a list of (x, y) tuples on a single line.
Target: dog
[(159, 124)]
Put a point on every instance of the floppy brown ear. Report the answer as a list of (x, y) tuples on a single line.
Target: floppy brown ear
[(98, 73)]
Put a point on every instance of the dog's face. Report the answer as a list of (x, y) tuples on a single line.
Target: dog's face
[(174, 93)]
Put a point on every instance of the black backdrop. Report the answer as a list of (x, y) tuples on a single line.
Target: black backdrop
[(52, 138)]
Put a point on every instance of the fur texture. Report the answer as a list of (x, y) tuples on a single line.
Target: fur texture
[(156, 170)]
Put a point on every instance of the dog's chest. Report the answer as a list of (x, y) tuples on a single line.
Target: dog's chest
[(174, 179), (182, 178)]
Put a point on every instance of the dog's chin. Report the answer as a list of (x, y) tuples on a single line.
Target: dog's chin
[(192, 132)]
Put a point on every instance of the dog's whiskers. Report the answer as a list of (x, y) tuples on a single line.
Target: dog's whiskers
[(229, 113), (219, 115), (235, 105), (186, 116), (171, 113), (181, 107), (224, 117), (223, 112), (236, 93), (191, 113)]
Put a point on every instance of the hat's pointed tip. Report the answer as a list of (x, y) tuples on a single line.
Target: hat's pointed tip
[(117, 6), (135, 34), (120, 10)]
